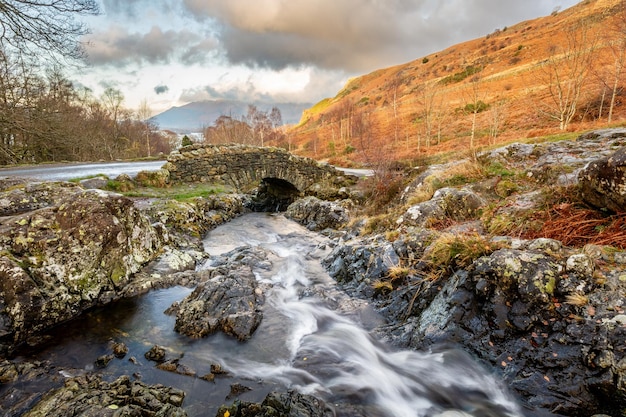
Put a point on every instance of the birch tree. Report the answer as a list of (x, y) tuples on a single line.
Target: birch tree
[(565, 72)]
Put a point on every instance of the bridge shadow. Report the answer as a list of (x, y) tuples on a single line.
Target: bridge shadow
[(274, 194)]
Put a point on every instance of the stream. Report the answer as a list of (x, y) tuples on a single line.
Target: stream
[(313, 338)]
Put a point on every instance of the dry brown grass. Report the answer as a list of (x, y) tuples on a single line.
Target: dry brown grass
[(578, 300), (576, 226)]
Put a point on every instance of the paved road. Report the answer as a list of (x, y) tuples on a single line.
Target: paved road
[(64, 172)]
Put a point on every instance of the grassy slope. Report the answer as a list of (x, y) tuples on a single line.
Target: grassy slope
[(508, 78)]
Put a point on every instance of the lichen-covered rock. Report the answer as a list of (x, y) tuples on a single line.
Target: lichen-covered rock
[(78, 251), (95, 182), (198, 215), (289, 404), (91, 396), (227, 302), (446, 203), (23, 196), (159, 178), (316, 214), (603, 182)]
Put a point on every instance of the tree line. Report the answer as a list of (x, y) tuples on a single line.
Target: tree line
[(256, 127), (44, 117)]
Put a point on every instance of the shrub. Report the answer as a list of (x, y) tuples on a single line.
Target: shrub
[(186, 141), (460, 76), (478, 107)]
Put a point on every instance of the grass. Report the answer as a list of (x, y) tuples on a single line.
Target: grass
[(456, 251), (180, 192)]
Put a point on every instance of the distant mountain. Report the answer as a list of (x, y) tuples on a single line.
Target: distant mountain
[(194, 116)]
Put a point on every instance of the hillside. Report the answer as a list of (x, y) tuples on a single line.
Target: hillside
[(548, 75), (193, 117)]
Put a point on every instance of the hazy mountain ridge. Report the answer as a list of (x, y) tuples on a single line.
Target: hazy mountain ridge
[(194, 116)]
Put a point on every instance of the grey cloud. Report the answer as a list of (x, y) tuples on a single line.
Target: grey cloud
[(355, 35), (322, 84), (117, 46), (161, 89)]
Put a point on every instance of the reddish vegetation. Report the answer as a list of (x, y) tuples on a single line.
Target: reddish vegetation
[(384, 115)]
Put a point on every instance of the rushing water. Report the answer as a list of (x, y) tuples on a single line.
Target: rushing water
[(312, 338)]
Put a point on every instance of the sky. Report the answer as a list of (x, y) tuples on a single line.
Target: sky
[(172, 52)]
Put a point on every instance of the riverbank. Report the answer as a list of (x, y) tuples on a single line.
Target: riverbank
[(491, 255)]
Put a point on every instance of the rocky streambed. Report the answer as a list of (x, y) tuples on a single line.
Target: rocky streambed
[(458, 292)]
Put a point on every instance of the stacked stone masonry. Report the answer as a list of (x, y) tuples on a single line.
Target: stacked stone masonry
[(243, 167)]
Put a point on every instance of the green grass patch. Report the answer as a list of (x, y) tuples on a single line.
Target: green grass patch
[(86, 177), (460, 76), (177, 192)]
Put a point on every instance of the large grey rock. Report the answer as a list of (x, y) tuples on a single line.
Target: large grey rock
[(316, 214), (80, 250), (229, 302), (446, 203), (603, 182), (90, 396), (289, 404)]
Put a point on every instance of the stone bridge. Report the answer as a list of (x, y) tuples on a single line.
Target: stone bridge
[(273, 172)]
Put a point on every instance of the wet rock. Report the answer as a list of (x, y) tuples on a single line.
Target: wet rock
[(79, 251), (91, 396), (603, 182), (176, 367), (119, 349), (359, 262), (103, 361), (316, 214), (227, 302), (290, 404), (156, 354), (236, 390)]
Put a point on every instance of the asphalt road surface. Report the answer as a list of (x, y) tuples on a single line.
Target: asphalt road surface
[(65, 172)]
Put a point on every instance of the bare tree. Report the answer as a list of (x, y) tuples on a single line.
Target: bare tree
[(144, 113), (565, 72), (617, 45), (498, 113), (112, 99), (474, 106), (431, 107), (49, 26)]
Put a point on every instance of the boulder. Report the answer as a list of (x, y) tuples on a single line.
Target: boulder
[(316, 214), (95, 182), (91, 396), (603, 182), (196, 216), (227, 302), (446, 203), (289, 404), (72, 250)]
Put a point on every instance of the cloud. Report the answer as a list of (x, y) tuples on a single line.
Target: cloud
[(117, 46), (161, 89), (321, 83), (354, 35)]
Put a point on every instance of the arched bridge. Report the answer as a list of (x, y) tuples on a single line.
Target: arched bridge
[(245, 168)]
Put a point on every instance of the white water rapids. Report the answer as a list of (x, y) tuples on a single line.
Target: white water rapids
[(315, 339)]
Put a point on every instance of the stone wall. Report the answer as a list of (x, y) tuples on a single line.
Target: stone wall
[(244, 167)]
